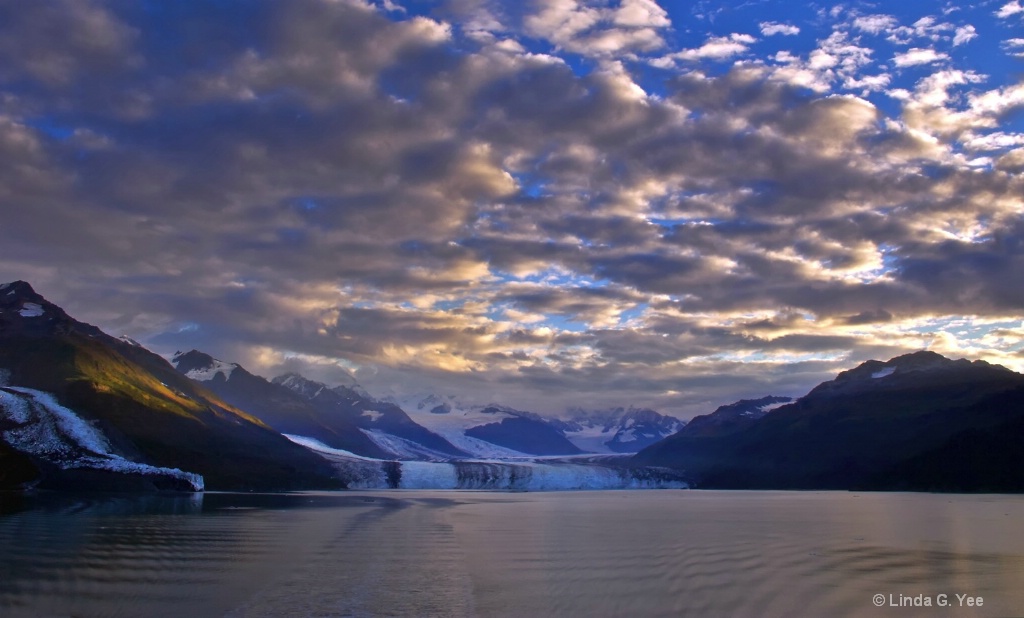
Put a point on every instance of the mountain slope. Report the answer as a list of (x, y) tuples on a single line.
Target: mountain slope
[(733, 417), (865, 428), (372, 416), (147, 411), (277, 406), (341, 418), (523, 432)]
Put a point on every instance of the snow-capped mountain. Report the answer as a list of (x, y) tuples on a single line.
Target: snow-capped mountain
[(385, 423), (488, 431), (84, 409), (618, 430), (341, 417), (36, 425), (310, 388), (734, 416), (202, 367), (919, 421)]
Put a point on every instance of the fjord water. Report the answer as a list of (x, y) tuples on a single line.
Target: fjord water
[(450, 553)]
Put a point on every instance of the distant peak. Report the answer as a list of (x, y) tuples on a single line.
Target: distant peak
[(17, 287), (23, 311), (130, 341), (202, 367), (300, 384), (193, 356)]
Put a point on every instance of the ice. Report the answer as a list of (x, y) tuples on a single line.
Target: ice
[(523, 476), (31, 310), (453, 425), (592, 438), (48, 430), (888, 371), (208, 373), (402, 448), (427, 475), (316, 445)]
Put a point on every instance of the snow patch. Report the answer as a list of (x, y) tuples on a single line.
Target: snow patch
[(46, 429), (771, 406), (626, 436), (31, 310), (888, 371), (319, 447), (206, 374)]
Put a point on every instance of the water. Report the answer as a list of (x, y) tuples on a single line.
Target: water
[(452, 553)]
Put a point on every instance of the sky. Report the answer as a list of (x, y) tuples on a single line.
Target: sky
[(543, 204)]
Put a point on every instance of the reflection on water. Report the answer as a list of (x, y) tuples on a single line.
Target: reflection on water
[(420, 553)]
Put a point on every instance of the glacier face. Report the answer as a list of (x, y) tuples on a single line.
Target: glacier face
[(528, 476), (40, 427), (519, 475)]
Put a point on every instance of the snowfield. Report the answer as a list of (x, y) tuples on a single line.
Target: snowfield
[(31, 310), (46, 429), (208, 373)]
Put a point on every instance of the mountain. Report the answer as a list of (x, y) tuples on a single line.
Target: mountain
[(917, 422), (523, 432), (488, 431), (274, 404), (341, 417), (449, 416), (618, 430), (383, 422), (733, 417), (111, 413), (495, 431)]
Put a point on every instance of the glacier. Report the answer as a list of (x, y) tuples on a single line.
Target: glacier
[(40, 427), (525, 474)]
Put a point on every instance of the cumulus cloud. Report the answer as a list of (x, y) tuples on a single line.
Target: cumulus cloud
[(717, 48), (1015, 47), (917, 56), (574, 25), (875, 24), (770, 28), (964, 34), (1010, 9)]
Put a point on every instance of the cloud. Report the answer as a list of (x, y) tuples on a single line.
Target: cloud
[(718, 48), (875, 24), (632, 26), (770, 28), (1015, 47), (1009, 9), (964, 34), (917, 56)]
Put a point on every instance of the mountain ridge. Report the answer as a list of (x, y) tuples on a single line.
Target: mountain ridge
[(858, 429), (148, 412)]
